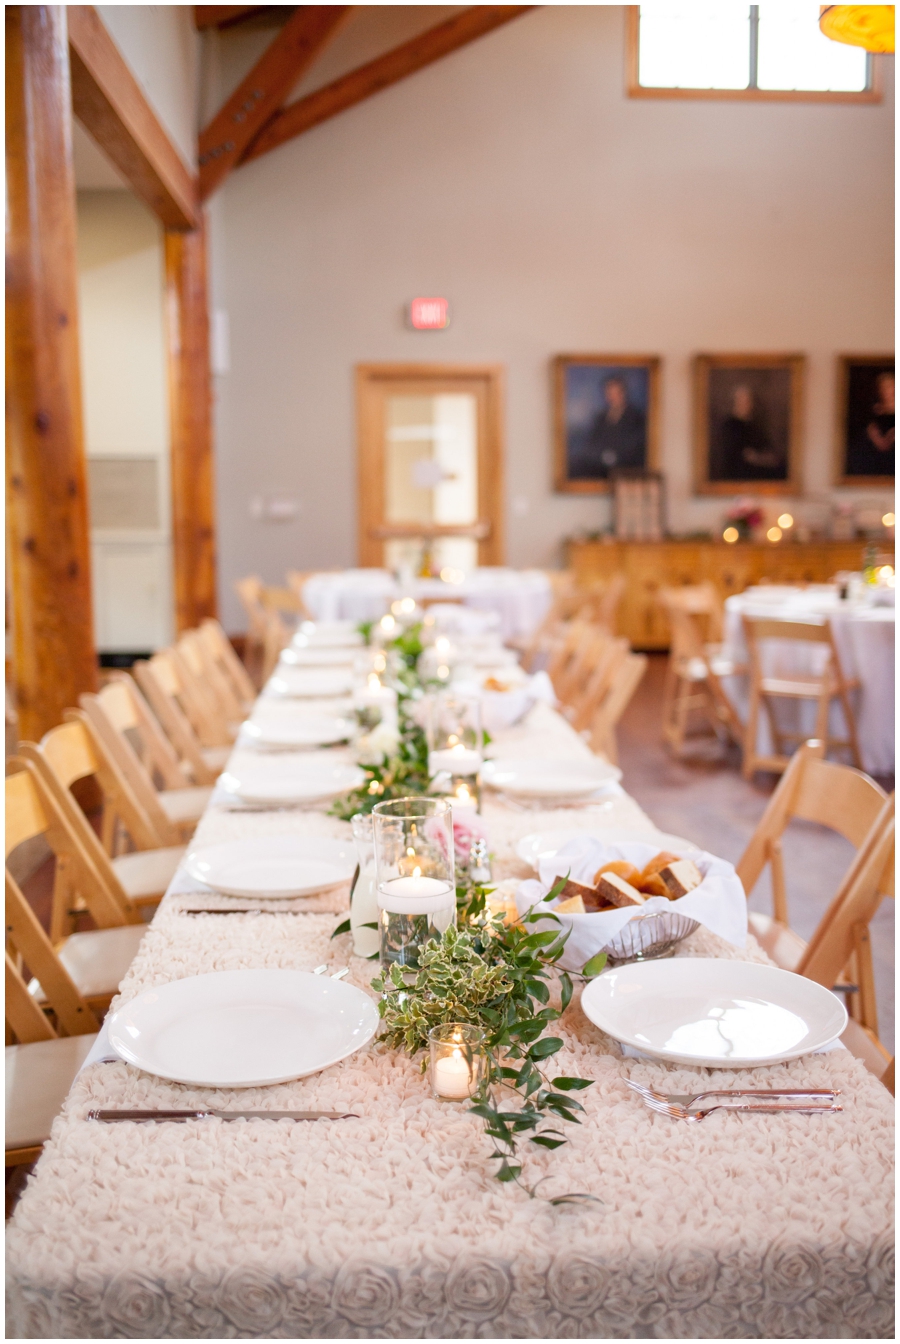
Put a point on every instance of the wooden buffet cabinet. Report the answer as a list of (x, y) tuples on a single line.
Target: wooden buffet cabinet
[(649, 566)]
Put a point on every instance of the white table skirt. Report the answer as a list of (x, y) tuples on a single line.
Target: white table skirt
[(864, 637), (520, 597), (392, 1226)]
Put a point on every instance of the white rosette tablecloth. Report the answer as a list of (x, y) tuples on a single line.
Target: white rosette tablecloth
[(864, 638), (520, 597), (392, 1226)]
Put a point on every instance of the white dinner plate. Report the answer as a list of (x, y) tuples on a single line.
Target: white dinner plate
[(717, 1013), (318, 657), (281, 779), (315, 730), (327, 634), (273, 865), (242, 1028), (548, 777), (547, 844), (308, 683)]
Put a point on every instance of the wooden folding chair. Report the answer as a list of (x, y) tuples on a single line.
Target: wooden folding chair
[(600, 601), (65, 755), (296, 580), (249, 591), (40, 1068), (696, 667), (173, 809), (613, 702), (822, 687), (209, 683), (94, 962), (811, 789), (277, 637), (603, 657), (159, 680), (842, 937), (221, 649)]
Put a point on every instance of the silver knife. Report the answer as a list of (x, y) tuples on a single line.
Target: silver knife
[(110, 1116)]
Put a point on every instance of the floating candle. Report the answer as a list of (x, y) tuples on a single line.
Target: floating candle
[(458, 760)]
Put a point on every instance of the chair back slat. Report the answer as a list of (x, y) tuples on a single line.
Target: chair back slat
[(769, 627), (26, 816), (221, 648), (23, 1014), (156, 677)]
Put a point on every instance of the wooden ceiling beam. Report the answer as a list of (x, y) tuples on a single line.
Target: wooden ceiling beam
[(224, 16), (110, 104), (379, 74), (258, 97)]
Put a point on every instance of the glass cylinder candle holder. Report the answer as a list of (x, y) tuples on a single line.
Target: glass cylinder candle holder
[(364, 913), (458, 1061), (374, 703), (415, 877), (455, 749)]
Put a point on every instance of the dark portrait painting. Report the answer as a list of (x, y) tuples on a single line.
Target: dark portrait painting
[(747, 422), (605, 418), (866, 420)]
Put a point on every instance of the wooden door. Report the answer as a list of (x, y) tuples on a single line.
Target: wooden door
[(430, 465)]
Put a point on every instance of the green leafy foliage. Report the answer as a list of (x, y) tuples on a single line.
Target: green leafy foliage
[(497, 977)]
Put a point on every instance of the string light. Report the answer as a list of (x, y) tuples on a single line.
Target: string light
[(774, 534), (731, 535), (786, 521)]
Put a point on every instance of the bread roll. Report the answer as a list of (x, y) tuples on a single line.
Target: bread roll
[(658, 861), (681, 877), (573, 906), (616, 891), (622, 868)]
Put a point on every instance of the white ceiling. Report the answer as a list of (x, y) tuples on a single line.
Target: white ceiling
[(93, 170)]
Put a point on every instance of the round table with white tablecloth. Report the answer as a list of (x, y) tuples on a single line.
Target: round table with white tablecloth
[(520, 597), (864, 638)]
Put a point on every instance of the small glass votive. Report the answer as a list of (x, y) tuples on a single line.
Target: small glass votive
[(374, 703), (415, 876), (458, 1061), (455, 749)]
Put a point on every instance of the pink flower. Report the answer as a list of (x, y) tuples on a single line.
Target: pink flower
[(467, 826)]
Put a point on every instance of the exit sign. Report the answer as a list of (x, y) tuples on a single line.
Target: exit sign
[(429, 314)]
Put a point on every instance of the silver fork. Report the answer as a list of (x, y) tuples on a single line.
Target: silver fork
[(682, 1112), (687, 1099)]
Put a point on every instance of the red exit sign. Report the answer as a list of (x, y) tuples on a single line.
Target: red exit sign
[(429, 314)]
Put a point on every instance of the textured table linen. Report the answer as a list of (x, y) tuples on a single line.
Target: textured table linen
[(391, 1226), (864, 638), (520, 597)]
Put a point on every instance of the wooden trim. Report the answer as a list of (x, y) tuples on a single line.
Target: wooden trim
[(873, 94), (48, 541), (844, 364), (796, 364), (259, 96), (110, 104), (486, 382), (224, 16), (190, 412), (561, 483), (379, 74)]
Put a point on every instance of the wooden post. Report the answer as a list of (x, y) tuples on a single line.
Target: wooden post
[(190, 411), (49, 548)]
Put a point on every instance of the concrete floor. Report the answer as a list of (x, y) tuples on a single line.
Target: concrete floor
[(706, 800)]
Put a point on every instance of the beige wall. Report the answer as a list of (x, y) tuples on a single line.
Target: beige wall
[(162, 48), (557, 215)]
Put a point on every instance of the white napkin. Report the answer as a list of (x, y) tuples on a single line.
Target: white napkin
[(718, 903)]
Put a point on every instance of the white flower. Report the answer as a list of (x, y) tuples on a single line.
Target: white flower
[(375, 747)]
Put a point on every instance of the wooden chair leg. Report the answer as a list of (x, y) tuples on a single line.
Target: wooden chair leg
[(779, 886), (865, 977), (61, 923), (751, 732), (850, 720)]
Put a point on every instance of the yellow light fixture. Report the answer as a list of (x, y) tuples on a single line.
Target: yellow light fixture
[(786, 520), (888, 520), (731, 535), (774, 534), (867, 26)]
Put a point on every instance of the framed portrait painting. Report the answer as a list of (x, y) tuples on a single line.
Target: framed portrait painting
[(747, 423), (606, 419), (865, 430)]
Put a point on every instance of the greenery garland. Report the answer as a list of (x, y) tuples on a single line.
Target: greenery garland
[(484, 972)]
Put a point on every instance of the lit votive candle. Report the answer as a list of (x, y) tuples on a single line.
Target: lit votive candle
[(457, 1061)]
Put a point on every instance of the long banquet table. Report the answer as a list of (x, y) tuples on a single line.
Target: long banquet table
[(392, 1225)]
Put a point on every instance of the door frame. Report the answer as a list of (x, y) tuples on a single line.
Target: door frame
[(487, 381)]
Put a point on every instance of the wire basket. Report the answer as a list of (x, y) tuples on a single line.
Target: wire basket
[(649, 937)]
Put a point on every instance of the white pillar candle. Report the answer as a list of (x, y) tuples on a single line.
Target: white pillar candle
[(452, 1077), (415, 895), (364, 910), (458, 760)]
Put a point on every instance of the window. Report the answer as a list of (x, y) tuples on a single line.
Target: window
[(720, 49)]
